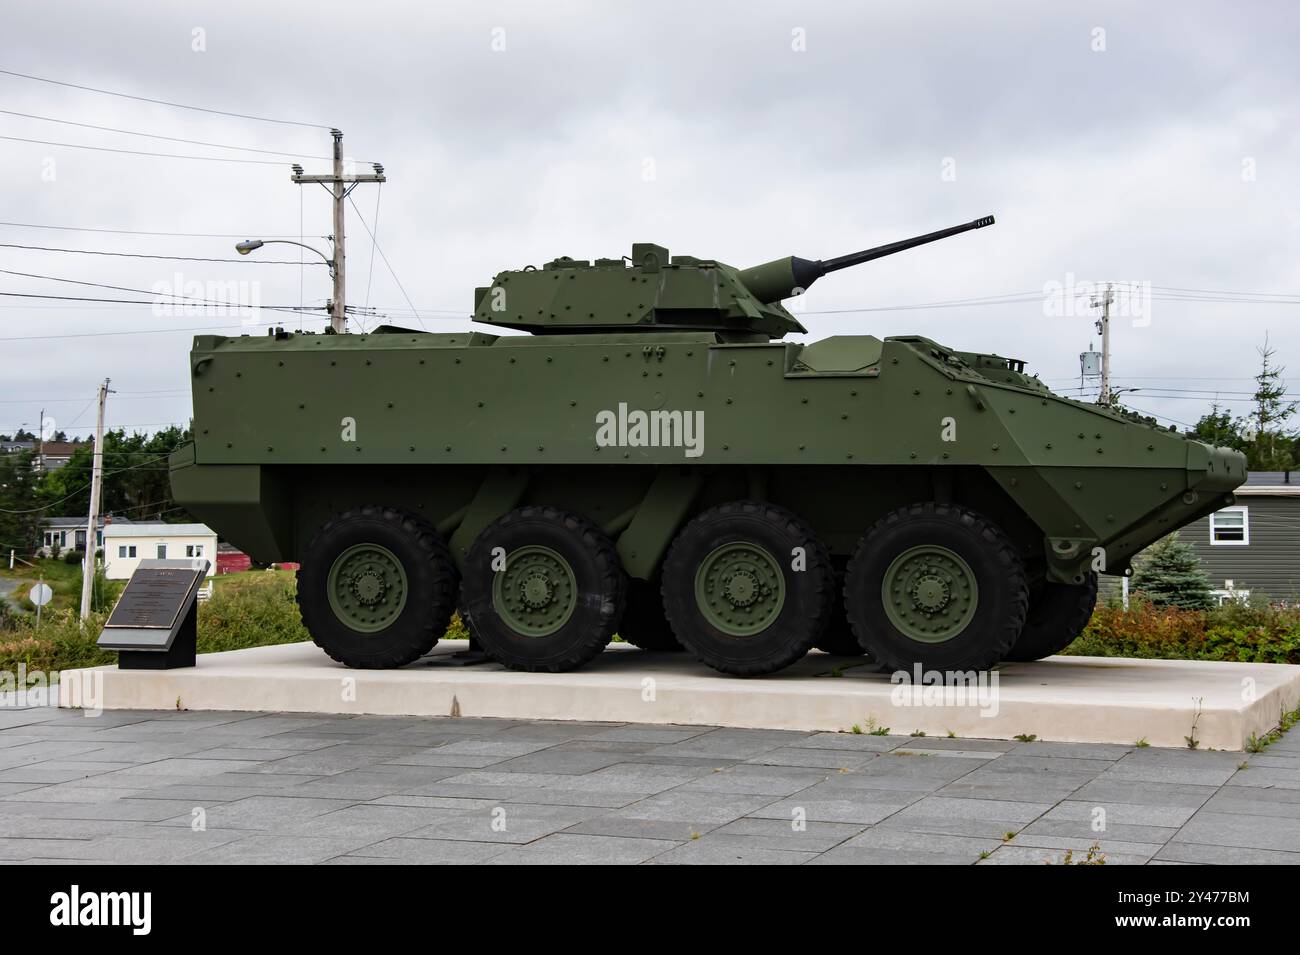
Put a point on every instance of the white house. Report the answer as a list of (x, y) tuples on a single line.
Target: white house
[(125, 545), (69, 533)]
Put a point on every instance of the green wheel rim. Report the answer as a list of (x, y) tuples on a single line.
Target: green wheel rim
[(536, 593), (367, 588), (740, 589), (930, 594)]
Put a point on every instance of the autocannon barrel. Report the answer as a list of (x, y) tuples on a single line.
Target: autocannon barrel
[(782, 278)]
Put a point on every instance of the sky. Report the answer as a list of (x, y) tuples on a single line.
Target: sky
[(1151, 145)]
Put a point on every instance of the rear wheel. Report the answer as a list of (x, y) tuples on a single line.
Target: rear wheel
[(644, 624), (1057, 615), (544, 590), (936, 585), (747, 587), (377, 588)]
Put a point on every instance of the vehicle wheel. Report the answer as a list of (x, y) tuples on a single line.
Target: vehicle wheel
[(731, 592), (1057, 615), (377, 588), (543, 590), (644, 624), (936, 585)]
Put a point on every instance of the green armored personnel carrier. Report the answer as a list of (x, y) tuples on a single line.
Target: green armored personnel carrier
[(652, 459)]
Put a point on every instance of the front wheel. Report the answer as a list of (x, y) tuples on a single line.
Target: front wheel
[(1057, 615), (936, 585)]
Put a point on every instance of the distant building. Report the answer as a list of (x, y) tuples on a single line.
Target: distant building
[(231, 560), (16, 447), (69, 533), (125, 545), (52, 455), (1253, 546)]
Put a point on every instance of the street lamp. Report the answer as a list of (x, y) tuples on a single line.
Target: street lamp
[(250, 245)]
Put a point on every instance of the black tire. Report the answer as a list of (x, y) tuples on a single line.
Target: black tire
[(996, 616), (809, 592), (1057, 615), (431, 584), (596, 604), (838, 638), (644, 625)]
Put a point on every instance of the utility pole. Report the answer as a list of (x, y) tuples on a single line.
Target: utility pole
[(340, 186), (1103, 326), (96, 480)]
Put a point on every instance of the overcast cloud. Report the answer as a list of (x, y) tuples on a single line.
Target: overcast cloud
[(1169, 158)]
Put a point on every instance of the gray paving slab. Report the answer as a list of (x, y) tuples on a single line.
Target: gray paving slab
[(357, 790), (429, 851), (563, 848), (1194, 853), (1243, 831), (710, 849)]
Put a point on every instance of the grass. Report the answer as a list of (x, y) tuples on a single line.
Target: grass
[(251, 609)]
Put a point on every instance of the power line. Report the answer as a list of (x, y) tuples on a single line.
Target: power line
[(142, 152), (138, 331), (387, 264), (159, 102), (170, 139), (175, 235), (142, 255), (138, 291)]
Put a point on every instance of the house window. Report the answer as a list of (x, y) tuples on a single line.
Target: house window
[(1230, 526), (99, 538), (193, 550), (162, 551), (126, 550), (121, 550)]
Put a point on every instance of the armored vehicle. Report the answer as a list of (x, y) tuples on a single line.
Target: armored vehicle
[(652, 459)]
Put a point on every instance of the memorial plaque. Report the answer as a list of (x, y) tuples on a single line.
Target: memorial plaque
[(154, 598), (155, 623)]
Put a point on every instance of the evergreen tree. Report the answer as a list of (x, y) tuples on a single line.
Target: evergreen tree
[(1273, 445), (1169, 574)]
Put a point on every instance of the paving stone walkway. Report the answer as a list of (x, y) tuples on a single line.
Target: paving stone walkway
[(205, 787)]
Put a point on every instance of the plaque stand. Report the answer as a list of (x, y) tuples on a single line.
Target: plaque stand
[(156, 621), (181, 653)]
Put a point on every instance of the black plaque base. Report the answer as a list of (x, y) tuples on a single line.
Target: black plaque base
[(181, 653)]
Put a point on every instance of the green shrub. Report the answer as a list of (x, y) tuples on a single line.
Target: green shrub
[(1247, 633), (73, 557), (1170, 574)]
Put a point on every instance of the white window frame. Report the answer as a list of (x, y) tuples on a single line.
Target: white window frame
[(1245, 526)]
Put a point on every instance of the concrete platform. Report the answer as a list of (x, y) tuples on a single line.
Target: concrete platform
[(1068, 699)]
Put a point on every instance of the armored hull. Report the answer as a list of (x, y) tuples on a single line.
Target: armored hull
[(653, 445)]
